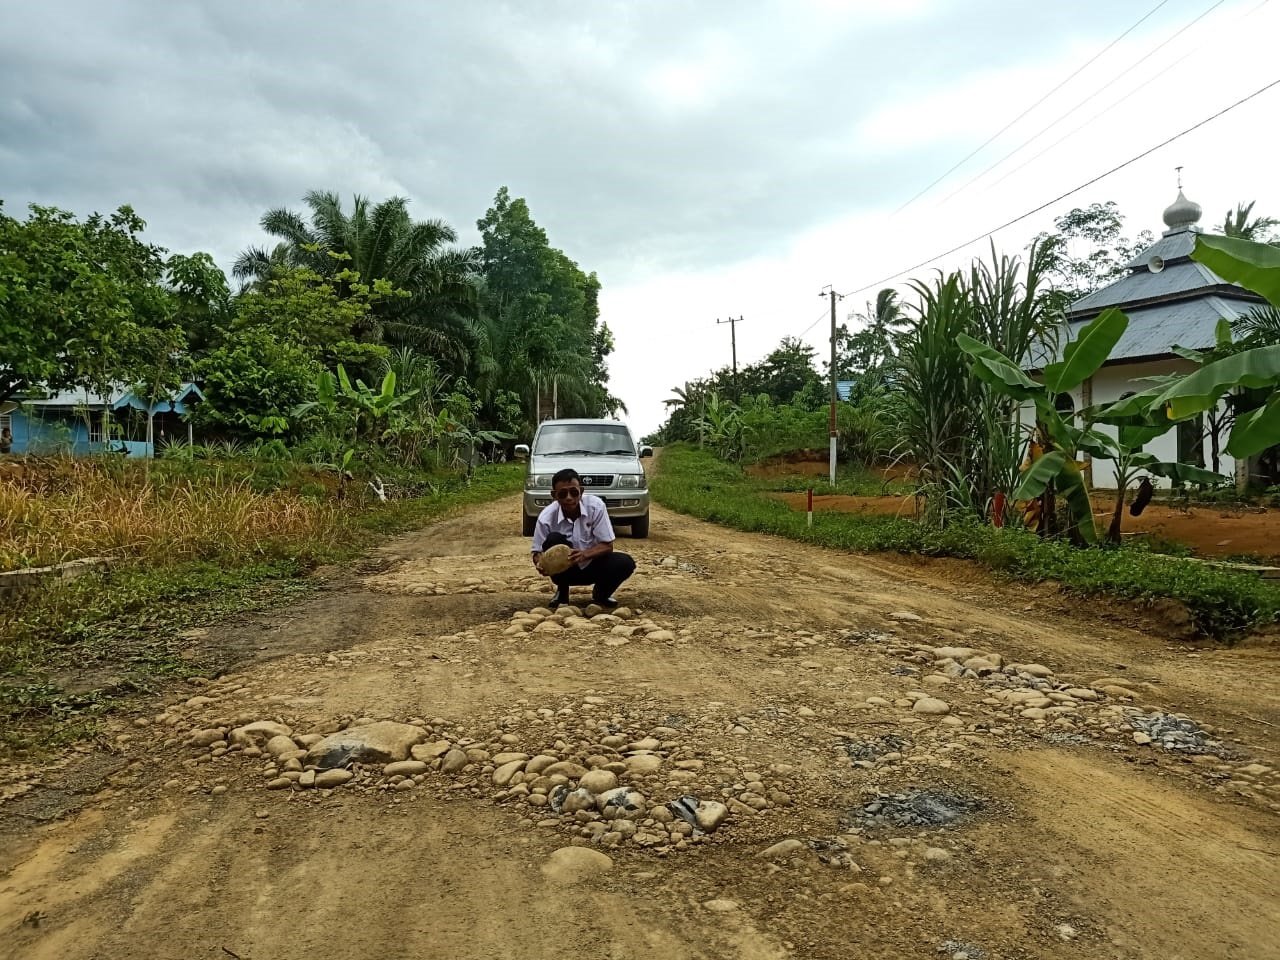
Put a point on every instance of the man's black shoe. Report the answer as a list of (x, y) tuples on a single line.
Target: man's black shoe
[(560, 599), (608, 602)]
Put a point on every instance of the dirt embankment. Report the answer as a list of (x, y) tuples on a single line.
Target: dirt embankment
[(784, 681)]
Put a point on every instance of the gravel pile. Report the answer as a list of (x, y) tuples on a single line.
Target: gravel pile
[(961, 950), (1175, 733), (876, 747), (914, 808)]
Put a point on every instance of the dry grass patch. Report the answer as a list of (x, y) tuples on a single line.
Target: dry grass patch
[(65, 510)]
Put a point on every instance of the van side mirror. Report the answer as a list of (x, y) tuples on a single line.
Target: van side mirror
[(646, 451), (522, 450)]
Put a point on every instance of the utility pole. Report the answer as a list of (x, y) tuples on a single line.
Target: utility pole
[(831, 418), (733, 339)]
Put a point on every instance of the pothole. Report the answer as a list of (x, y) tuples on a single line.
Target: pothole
[(1177, 734), (876, 747), (926, 807)]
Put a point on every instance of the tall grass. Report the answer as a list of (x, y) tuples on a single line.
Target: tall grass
[(67, 509), (964, 437)]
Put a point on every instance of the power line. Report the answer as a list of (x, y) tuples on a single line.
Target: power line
[(1043, 130), (822, 316), (986, 143), (1138, 89), (1063, 196)]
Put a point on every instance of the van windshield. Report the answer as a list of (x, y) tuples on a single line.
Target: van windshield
[(565, 439)]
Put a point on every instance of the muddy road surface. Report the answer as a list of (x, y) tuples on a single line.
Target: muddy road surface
[(774, 751)]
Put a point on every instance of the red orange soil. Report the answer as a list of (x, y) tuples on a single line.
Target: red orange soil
[(1209, 531)]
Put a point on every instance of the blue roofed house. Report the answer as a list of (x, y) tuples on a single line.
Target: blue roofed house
[(81, 421), (1170, 300)]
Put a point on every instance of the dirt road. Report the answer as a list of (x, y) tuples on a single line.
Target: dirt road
[(796, 686)]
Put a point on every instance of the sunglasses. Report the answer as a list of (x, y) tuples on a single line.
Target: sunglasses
[(569, 493)]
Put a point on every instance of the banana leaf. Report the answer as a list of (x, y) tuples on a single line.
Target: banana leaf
[(1072, 488), (994, 368), (1087, 352), (1178, 472), (1256, 430), (1137, 406), (1037, 477), (1199, 391), (1255, 266)]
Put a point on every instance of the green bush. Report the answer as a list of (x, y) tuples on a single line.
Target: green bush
[(1224, 603)]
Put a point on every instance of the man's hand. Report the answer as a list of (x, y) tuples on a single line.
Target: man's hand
[(537, 563), (583, 556)]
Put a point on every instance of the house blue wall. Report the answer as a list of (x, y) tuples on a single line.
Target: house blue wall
[(46, 433), (61, 429)]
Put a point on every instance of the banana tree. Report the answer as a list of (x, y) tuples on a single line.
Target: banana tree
[(1058, 470), (1255, 266)]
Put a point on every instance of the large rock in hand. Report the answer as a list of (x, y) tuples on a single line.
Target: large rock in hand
[(381, 742), (555, 560)]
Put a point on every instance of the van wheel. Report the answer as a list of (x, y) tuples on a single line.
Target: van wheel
[(640, 527), (529, 524)]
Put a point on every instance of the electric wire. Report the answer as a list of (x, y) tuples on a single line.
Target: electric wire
[(1074, 190), (1043, 130), (1075, 73), (1136, 90)]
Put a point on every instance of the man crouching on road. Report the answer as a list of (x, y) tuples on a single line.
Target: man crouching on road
[(581, 522)]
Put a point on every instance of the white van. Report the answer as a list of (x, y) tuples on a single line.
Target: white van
[(605, 456)]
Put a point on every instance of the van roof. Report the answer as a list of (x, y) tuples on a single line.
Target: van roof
[(610, 423)]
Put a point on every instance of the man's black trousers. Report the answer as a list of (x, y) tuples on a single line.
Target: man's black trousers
[(605, 573)]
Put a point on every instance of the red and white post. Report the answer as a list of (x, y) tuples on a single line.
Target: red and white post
[(810, 506)]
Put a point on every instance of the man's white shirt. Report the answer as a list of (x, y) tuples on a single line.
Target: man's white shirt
[(591, 527)]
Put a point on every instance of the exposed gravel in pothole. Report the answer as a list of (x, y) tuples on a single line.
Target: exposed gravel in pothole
[(876, 747), (1176, 733), (961, 949), (914, 808)]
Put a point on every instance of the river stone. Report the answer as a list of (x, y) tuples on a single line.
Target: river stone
[(783, 848), (1038, 670), (598, 781), (555, 560), (623, 802), (643, 763), (404, 768), (710, 814), (930, 706), (279, 745), (327, 779), (430, 751), (571, 864), (257, 734), (454, 761), (539, 763), (502, 776), (205, 738), (382, 742), (574, 771)]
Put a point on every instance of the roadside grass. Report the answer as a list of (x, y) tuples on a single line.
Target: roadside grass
[(73, 651), (1224, 604)]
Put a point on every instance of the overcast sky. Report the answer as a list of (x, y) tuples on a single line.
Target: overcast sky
[(706, 159)]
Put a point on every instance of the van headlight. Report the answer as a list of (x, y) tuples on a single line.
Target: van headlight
[(631, 481), (538, 481)]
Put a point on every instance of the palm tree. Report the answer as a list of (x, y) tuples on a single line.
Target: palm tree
[(1238, 224), (382, 242)]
